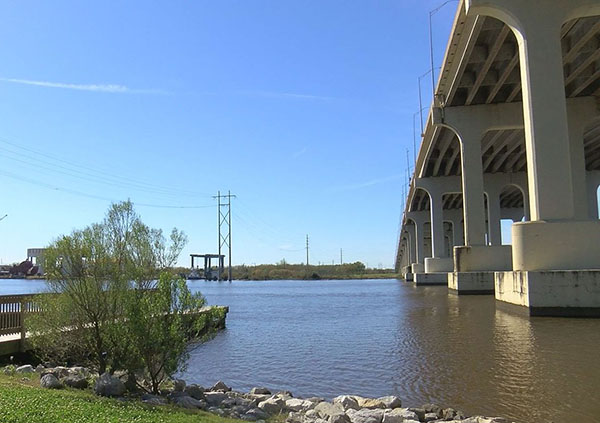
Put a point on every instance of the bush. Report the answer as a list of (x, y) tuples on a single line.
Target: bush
[(115, 305)]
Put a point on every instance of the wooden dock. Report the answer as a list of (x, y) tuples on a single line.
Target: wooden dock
[(13, 312)]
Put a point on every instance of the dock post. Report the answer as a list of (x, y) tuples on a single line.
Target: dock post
[(22, 324)]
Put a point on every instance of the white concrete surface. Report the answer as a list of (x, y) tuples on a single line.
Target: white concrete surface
[(431, 278), (482, 258), (436, 265), (471, 282), (567, 245), (551, 293)]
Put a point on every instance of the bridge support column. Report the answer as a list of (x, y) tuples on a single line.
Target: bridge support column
[(409, 252), (470, 124), (552, 254), (437, 266), (420, 276), (419, 219)]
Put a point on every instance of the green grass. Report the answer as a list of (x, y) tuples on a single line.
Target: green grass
[(23, 401)]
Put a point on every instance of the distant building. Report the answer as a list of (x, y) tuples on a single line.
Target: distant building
[(36, 257)]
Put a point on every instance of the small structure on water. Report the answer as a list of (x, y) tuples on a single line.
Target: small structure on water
[(208, 272)]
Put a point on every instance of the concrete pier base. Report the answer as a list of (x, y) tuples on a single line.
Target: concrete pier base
[(552, 292), (471, 283), (409, 277), (437, 265), (417, 268), (440, 278), (482, 258)]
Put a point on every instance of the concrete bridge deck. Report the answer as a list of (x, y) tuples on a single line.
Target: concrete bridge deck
[(513, 133)]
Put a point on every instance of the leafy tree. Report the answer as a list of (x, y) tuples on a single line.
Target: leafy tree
[(159, 324), (114, 305)]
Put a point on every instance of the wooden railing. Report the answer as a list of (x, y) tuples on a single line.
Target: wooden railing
[(13, 309)]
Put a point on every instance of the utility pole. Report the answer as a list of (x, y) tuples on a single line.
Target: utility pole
[(307, 252), (224, 219), (341, 257)]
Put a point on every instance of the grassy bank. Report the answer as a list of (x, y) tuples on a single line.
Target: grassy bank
[(23, 401), (287, 271)]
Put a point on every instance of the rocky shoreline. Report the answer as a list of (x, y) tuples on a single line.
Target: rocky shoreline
[(258, 405)]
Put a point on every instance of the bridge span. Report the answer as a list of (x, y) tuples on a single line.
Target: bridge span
[(513, 133)]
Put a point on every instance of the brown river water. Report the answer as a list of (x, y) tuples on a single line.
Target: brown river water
[(386, 337)]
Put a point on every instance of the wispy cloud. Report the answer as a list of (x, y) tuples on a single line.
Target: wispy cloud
[(285, 95), (372, 182), (104, 88), (299, 153)]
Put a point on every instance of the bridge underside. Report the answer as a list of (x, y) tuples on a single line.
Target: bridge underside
[(513, 133)]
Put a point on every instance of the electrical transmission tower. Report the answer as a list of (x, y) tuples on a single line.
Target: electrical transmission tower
[(224, 219)]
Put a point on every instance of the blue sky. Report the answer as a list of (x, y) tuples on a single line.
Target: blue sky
[(303, 109)]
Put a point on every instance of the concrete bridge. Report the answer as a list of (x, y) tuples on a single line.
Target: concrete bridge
[(513, 133)]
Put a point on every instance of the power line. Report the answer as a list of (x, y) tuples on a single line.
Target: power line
[(96, 197), (90, 172)]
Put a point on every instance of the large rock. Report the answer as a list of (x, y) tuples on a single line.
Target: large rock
[(326, 409), (260, 391), (339, 418), (50, 381), (195, 391), (178, 385), (214, 399), (109, 386), (272, 405), (77, 382), (188, 402), (27, 368), (153, 399), (220, 386), (429, 417), (255, 414), (240, 410), (448, 414), (297, 404), (391, 401), (420, 412), (79, 371), (367, 416), (347, 401), (295, 417), (399, 415), (433, 408), (61, 371), (369, 402), (481, 419)]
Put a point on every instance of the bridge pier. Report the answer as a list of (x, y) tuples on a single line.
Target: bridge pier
[(556, 261), (475, 262)]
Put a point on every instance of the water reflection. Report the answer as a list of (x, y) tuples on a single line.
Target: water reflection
[(377, 338)]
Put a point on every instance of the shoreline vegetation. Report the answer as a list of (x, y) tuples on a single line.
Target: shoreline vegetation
[(49, 394), (286, 271)]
